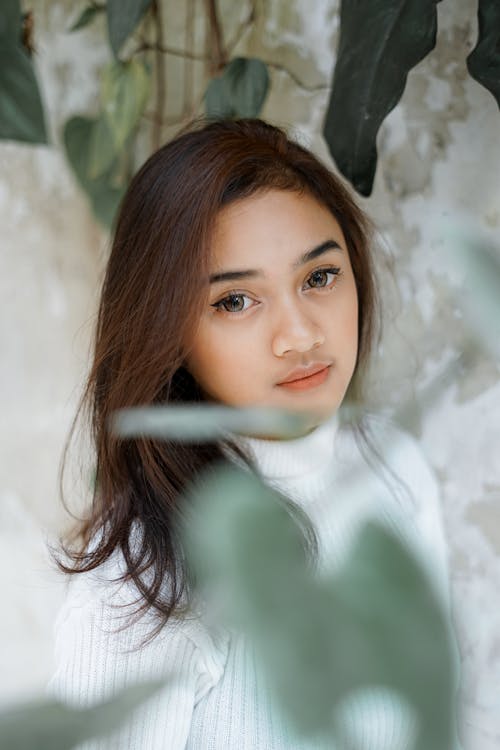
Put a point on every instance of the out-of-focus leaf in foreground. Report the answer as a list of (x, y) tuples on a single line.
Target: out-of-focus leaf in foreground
[(479, 298), (376, 622), (50, 725), (205, 422)]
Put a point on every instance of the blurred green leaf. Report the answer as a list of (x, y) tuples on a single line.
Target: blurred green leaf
[(376, 623), (103, 195), (483, 62), (206, 422), (21, 111), (50, 725), (123, 17), (479, 298), (124, 94), (240, 91), (87, 16), (380, 41)]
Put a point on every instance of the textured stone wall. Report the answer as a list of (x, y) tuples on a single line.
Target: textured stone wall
[(439, 165)]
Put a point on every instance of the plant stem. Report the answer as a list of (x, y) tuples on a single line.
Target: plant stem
[(188, 61), (217, 52), (244, 25), (161, 83)]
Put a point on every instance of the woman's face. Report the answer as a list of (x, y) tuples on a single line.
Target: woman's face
[(280, 327)]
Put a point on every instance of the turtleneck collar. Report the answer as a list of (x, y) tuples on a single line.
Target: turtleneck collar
[(286, 459)]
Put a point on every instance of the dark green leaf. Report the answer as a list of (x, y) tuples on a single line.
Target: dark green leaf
[(87, 16), (376, 623), (123, 17), (240, 91), (21, 111), (380, 41), (10, 21), (483, 62), (50, 725), (103, 195)]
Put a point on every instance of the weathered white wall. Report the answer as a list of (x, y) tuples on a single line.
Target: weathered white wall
[(439, 161)]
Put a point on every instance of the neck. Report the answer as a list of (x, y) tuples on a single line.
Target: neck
[(296, 456)]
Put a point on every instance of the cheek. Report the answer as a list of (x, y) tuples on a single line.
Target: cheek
[(348, 324), (221, 362)]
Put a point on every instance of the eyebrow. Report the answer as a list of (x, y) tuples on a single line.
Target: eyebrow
[(252, 273)]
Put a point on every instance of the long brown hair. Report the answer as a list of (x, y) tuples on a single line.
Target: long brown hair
[(153, 293)]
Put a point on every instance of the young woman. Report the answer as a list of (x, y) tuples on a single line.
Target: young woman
[(241, 274)]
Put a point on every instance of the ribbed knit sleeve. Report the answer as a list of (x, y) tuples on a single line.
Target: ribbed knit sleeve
[(95, 659)]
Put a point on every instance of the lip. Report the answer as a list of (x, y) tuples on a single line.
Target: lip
[(302, 373)]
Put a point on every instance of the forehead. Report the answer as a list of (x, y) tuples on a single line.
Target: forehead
[(270, 227)]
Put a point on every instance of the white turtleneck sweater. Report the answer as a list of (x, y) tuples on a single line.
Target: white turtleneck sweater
[(218, 700)]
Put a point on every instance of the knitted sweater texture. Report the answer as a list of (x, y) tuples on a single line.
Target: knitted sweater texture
[(217, 698)]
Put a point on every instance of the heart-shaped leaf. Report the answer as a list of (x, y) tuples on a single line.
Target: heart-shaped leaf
[(123, 17), (240, 91), (50, 725), (380, 41), (375, 623), (102, 192), (483, 62), (124, 93), (21, 111)]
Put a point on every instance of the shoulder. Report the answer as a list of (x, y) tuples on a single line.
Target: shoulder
[(403, 454), (389, 453), (96, 632)]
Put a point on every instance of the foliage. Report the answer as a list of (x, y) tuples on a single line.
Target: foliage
[(375, 623), (240, 91), (206, 422), (50, 725), (380, 41), (99, 148), (105, 190), (86, 17), (370, 77), (123, 16), (21, 111)]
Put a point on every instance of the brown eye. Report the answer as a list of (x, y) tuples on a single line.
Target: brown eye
[(318, 278), (322, 277), (233, 303)]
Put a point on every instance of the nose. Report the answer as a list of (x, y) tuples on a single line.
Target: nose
[(295, 331)]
